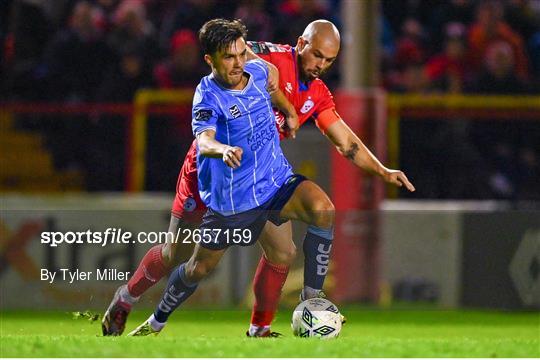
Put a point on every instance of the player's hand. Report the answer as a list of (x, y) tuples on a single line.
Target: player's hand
[(232, 156), (293, 123), (398, 178)]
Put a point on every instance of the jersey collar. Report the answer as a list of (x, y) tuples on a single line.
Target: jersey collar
[(245, 89)]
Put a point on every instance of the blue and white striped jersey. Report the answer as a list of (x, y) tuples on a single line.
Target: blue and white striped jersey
[(242, 118)]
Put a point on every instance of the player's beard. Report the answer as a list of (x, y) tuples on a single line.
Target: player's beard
[(315, 75), (236, 79), (308, 74)]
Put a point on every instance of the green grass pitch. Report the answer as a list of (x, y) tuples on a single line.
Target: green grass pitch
[(368, 333)]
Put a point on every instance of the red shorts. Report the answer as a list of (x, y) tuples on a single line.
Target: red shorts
[(187, 204)]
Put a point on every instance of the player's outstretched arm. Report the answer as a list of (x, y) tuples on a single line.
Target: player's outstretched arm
[(291, 117), (210, 147), (350, 146)]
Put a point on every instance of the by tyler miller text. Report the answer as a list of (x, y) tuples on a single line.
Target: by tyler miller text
[(71, 276)]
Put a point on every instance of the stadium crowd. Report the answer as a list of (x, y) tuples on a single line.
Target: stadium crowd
[(105, 50)]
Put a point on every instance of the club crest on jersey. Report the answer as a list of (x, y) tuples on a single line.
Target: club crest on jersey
[(190, 204), (308, 105), (235, 111)]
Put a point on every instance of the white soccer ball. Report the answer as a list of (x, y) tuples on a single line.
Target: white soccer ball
[(316, 318)]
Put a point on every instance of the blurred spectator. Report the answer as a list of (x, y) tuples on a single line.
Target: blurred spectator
[(294, 15), (412, 79), (171, 135), (388, 46), (105, 11), (520, 16), (528, 172), (105, 156), (398, 12), (448, 12), (124, 78), (192, 14), (77, 57), (184, 66), (498, 75), (534, 46), (132, 30), (22, 48), (446, 70), (259, 23), (76, 60), (489, 28), (500, 143), (410, 45), (108, 49)]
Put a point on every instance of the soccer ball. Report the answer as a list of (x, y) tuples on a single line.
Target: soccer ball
[(316, 318)]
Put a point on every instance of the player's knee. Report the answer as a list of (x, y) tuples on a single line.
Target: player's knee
[(167, 254), (324, 213), (197, 270), (283, 257)]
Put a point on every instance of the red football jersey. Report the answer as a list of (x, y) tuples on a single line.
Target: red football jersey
[(312, 100)]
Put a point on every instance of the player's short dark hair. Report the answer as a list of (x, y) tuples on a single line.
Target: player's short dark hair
[(217, 34)]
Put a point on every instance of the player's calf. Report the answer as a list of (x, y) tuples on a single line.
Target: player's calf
[(178, 289), (311, 205), (183, 282)]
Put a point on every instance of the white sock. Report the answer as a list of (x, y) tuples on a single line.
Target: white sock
[(309, 293), (254, 329), (154, 324), (126, 297)]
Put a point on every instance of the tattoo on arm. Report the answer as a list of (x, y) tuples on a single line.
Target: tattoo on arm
[(351, 153)]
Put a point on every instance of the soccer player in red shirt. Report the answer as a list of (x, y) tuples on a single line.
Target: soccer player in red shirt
[(299, 70)]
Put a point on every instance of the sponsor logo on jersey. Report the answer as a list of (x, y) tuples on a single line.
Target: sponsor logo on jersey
[(280, 119), (262, 137), (235, 111), (288, 88), (308, 105), (203, 114), (253, 100)]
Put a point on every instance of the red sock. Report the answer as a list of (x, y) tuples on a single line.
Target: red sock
[(267, 285), (151, 269)]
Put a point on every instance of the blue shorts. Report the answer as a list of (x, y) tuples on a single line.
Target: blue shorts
[(219, 232)]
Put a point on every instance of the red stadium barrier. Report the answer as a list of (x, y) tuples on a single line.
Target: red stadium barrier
[(355, 196)]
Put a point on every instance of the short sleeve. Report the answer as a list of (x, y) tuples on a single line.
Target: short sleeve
[(326, 99), (204, 113), (325, 113), (260, 48)]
